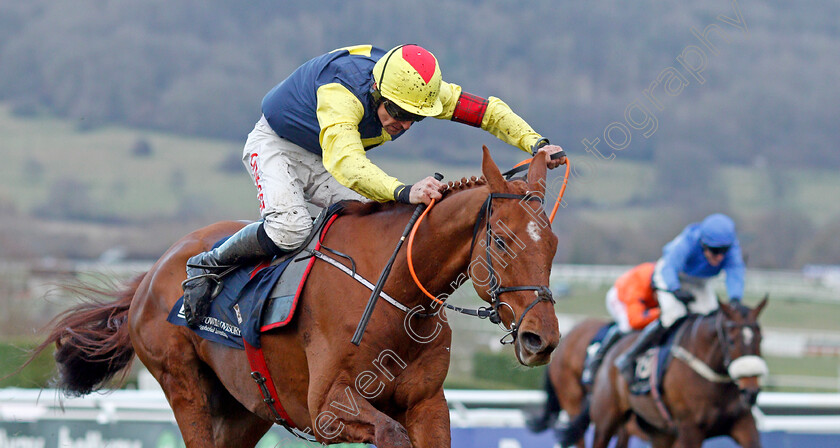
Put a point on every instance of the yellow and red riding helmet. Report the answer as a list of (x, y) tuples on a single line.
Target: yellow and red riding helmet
[(409, 75)]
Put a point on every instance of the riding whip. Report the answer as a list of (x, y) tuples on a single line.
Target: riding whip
[(360, 329)]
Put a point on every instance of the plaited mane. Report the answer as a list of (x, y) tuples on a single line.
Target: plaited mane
[(359, 208), (463, 184)]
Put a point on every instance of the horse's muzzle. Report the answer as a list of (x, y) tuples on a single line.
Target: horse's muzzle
[(749, 388), (750, 396), (534, 350)]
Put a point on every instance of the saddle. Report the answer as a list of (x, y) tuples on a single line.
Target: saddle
[(258, 297), (652, 364)]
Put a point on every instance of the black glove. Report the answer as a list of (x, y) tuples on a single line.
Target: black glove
[(684, 296), (735, 303)]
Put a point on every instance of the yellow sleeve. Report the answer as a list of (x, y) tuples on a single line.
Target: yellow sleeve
[(498, 120), (339, 114)]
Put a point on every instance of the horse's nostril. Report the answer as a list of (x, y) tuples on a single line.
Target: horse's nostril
[(531, 341), (750, 396)]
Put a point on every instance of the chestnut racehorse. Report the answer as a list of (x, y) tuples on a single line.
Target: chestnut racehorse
[(389, 390), (708, 390)]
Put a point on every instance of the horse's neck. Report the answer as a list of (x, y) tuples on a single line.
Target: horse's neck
[(441, 250), (704, 342)]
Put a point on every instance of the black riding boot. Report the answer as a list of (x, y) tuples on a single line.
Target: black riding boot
[(594, 361), (203, 281), (626, 362)]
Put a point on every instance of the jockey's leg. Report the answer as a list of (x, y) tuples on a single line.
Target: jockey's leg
[(626, 362), (594, 361), (670, 308), (705, 301), (202, 285), (286, 224)]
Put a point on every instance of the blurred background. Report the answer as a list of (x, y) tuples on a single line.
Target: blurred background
[(122, 124)]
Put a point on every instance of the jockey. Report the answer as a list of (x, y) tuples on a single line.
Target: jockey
[(681, 278), (632, 304), (310, 143)]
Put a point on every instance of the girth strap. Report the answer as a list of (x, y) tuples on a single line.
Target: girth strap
[(261, 375)]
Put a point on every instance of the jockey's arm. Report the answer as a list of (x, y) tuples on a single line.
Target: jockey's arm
[(674, 258), (734, 267), (640, 302), (639, 315), (495, 117), (339, 114)]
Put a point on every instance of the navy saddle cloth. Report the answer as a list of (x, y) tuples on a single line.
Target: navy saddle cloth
[(650, 365), (254, 298), (653, 363)]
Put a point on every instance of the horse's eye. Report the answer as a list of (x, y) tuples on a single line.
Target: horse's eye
[(500, 243)]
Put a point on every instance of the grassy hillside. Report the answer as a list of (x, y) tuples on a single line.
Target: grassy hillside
[(46, 159)]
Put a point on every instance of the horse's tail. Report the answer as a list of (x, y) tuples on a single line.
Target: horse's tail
[(91, 339), (551, 409), (576, 428)]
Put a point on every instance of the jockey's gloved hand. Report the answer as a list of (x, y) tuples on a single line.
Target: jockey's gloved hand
[(549, 149), (425, 190), (684, 296), (735, 303)]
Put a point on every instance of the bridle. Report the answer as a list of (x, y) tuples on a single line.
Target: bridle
[(543, 293), (721, 327)]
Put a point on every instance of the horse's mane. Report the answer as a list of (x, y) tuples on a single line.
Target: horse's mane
[(359, 208)]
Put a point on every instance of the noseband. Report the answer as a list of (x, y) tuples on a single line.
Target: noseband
[(542, 292), (721, 325)]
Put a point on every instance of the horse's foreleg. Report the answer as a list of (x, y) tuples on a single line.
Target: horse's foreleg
[(745, 432), (343, 416), (606, 416), (689, 436), (660, 440), (428, 422), (622, 438)]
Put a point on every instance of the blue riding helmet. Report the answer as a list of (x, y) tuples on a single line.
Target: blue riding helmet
[(717, 230)]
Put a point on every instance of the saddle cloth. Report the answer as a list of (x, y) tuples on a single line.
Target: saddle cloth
[(652, 364), (595, 342), (257, 297)]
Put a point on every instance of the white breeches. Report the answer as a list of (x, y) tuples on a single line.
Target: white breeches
[(705, 300), (287, 177)]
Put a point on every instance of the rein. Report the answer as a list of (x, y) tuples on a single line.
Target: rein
[(486, 210), (725, 344)]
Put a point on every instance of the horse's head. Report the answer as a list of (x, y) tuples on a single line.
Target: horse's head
[(512, 251), (740, 336)]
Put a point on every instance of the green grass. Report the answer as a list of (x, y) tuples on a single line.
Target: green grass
[(39, 152), (13, 354), (183, 172), (788, 314)]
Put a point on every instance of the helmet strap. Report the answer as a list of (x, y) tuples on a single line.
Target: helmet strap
[(375, 94)]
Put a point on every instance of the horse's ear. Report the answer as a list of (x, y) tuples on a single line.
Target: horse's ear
[(723, 306), (537, 172), (761, 305), (491, 171)]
